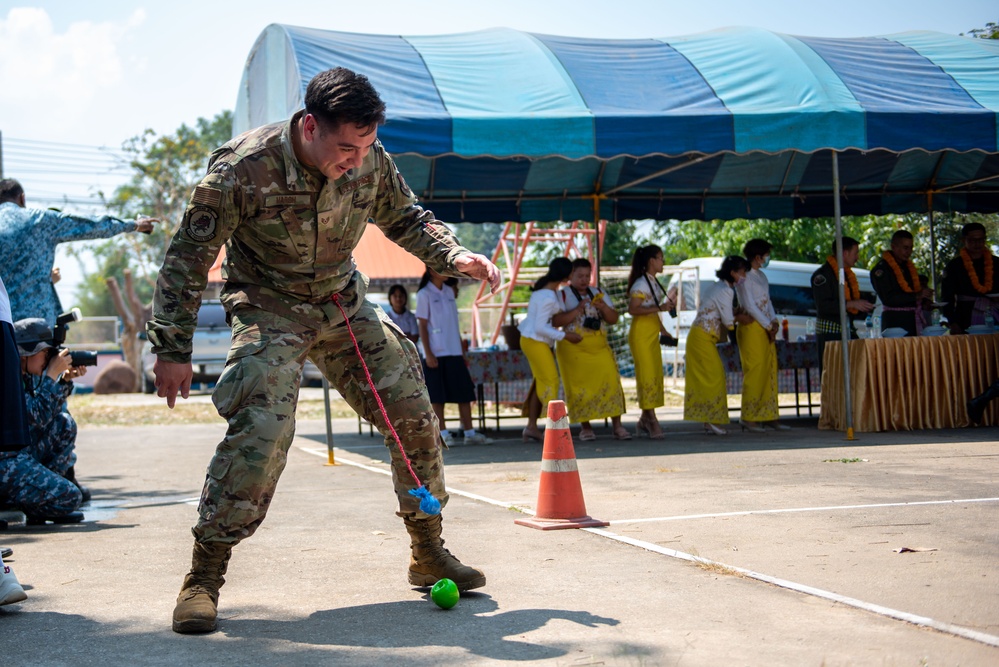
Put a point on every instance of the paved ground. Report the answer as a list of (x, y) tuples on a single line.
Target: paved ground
[(797, 535)]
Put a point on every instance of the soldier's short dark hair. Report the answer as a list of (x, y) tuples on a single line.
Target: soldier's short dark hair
[(10, 190), (972, 227), (339, 96), (901, 234), (849, 243), (581, 263), (756, 248)]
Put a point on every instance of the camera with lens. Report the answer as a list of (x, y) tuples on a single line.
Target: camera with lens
[(78, 357), (592, 323)]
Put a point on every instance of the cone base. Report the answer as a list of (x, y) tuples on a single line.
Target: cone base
[(561, 524)]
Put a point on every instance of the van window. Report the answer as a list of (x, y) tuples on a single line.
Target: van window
[(788, 300)]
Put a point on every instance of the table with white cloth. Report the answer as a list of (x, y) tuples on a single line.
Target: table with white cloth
[(902, 384)]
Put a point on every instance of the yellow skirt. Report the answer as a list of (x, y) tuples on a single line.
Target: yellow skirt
[(590, 378), (704, 395), (542, 363), (643, 339), (759, 373)]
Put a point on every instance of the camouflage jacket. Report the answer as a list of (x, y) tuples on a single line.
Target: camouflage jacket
[(289, 235), (29, 238), (44, 401)]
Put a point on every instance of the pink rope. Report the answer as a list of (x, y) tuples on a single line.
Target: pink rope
[(371, 383)]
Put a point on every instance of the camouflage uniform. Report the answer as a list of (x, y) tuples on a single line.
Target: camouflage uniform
[(32, 479), (34, 489), (51, 427), (29, 238), (289, 234)]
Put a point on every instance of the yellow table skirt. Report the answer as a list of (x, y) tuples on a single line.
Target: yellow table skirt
[(902, 384)]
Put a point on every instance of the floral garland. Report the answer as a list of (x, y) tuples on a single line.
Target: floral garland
[(902, 282), (851, 290), (973, 275)]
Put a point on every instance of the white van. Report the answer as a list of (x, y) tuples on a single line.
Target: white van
[(790, 292)]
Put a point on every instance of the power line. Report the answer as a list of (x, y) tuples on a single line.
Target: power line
[(39, 145)]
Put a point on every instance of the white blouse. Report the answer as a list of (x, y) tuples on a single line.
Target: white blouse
[(754, 297), (649, 289), (715, 314), (544, 304)]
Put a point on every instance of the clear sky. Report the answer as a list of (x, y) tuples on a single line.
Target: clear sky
[(93, 74)]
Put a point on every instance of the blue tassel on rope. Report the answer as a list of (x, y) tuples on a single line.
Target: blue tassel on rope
[(428, 504)]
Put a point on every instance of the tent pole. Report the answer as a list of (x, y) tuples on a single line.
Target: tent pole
[(933, 246), (596, 232), (844, 323)]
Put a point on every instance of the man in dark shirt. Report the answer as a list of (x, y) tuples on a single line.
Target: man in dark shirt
[(968, 282), (902, 291), (826, 292)]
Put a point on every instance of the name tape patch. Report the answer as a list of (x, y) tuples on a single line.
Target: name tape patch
[(288, 200)]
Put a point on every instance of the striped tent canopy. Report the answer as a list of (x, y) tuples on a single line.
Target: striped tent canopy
[(500, 125)]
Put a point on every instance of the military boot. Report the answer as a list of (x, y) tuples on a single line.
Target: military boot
[(430, 561), (977, 405), (84, 491), (197, 603)]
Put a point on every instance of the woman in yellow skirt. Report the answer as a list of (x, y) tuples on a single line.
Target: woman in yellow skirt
[(589, 371), (704, 394), (646, 299), (757, 347), (537, 335)]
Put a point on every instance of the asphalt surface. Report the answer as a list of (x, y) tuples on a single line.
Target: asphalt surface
[(780, 548)]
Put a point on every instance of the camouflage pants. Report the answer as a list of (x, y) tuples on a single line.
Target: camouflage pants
[(55, 448), (34, 489), (257, 394)]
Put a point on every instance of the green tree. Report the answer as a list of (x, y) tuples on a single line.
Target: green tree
[(990, 31), (478, 237), (166, 170)]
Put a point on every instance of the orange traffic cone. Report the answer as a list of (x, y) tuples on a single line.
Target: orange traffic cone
[(560, 495)]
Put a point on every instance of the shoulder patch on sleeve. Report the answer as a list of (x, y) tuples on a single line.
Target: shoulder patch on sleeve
[(818, 280), (202, 224), (207, 196), (403, 187), (879, 273)]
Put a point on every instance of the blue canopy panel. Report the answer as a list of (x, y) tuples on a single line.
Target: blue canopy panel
[(418, 118), (502, 125), (642, 92), (909, 101)]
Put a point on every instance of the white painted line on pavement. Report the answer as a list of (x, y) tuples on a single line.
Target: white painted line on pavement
[(682, 517), (451, 490), (967, 633), (960, 631)]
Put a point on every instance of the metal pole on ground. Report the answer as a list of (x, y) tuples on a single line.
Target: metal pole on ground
[(933, 247), (844, 323), (331, 461)]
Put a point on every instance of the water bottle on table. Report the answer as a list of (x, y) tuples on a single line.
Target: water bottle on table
[(876, 323)]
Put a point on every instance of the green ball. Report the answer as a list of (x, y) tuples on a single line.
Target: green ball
[(445, 594)]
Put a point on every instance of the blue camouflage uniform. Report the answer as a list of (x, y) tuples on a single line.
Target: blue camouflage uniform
[(51, 427), (29, 238), (32, 479)]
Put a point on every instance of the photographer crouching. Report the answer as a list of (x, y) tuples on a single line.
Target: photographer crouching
[(41, 480)]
